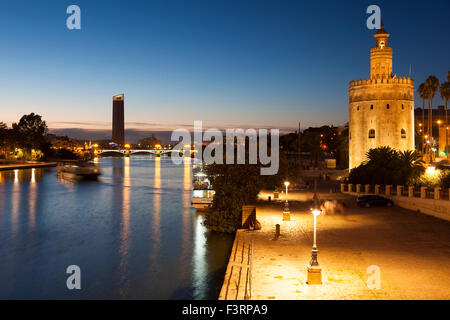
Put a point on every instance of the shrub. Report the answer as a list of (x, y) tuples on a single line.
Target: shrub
[(445, 179), (388, 166)]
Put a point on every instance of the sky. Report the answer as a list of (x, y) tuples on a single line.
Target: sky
[(234, 63)]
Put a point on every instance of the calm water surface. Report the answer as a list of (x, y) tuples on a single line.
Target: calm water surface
[(133, 233)]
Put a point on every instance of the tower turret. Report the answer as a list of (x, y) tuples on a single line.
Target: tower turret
[(381, 56)]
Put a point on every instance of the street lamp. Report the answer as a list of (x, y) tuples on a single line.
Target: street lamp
[(439, 135), (314, 261), (314, 269), (287, 185), (286, 212)]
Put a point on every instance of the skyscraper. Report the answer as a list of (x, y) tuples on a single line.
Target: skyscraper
[(118, 127)]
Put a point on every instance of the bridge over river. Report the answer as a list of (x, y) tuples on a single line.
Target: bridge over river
[(128, 152)]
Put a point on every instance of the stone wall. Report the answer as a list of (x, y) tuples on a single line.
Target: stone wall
[(438, 206)]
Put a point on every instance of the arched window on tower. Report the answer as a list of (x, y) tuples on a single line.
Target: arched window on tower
[(372, 134), (371, 107), (387, 106), (403, 107), (403, 133)]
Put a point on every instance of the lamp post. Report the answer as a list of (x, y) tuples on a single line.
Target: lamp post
[(439, 136), (314, 269), (446, 141), (286, 212)]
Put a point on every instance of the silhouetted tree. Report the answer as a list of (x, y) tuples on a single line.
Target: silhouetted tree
[(30, 132), (445, 95), (388, 166)]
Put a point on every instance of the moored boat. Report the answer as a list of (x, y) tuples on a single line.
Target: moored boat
[(202, 193)]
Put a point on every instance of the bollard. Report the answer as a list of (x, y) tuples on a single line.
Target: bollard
[(411, 191), (437, 193), (388, 190), (277, 231), (367, 189), (423, 192), (342, 188), (399, 191), (358, 188), (377, 189), (350, 188)]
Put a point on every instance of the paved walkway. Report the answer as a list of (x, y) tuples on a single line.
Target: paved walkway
[(412, 251), (8, 167)]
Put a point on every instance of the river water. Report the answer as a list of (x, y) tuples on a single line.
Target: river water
[(133, 234)]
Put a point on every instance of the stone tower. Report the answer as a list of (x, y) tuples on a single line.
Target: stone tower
[(381, 108)]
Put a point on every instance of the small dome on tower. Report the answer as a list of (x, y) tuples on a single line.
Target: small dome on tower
[(382, 30)]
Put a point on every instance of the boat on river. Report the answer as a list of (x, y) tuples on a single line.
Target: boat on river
[(202, 192), (79, 170)]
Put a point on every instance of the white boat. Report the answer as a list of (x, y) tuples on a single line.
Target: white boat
[(202, 199), (202, 193), (79, 170)]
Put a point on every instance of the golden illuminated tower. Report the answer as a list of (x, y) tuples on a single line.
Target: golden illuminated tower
[(381, 108)]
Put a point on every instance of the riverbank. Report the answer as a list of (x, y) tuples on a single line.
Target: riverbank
[(13, 165), (410, 249)]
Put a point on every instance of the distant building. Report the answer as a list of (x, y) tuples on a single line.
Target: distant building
[(439, 131), (118, 124), (381, 108)]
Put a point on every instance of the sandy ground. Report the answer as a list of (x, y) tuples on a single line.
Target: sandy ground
[(412, 251)]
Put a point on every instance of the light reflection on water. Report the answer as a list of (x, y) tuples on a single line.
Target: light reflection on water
[(134, 234)]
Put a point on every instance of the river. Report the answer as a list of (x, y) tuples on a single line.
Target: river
[(133, 233)]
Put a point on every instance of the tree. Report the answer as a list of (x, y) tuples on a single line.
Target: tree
[(342, 149), (410, 165), (388, 166), (445, 95), (235, 185), (423, 92), (3, 132), (312, 143), (30, 132), (432, 84), (3, 137)]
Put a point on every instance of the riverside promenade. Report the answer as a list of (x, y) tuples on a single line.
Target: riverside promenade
[(10, 165), (412, 252)]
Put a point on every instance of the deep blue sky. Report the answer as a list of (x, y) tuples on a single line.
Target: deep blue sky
[(228, 63)]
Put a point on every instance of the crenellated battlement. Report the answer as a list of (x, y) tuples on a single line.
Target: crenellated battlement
[(373, 81)]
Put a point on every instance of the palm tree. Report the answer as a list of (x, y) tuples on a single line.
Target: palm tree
[(410, 159), (380, 156), (445, 95), (432, 83), (422, 90), (410, 164)]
